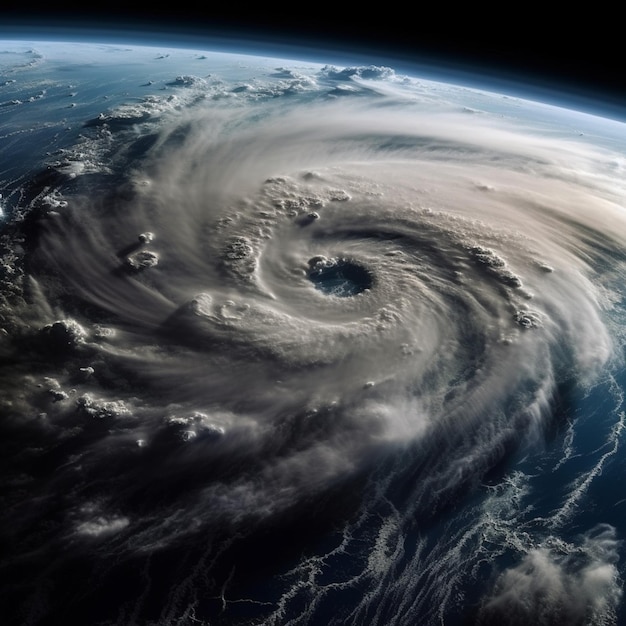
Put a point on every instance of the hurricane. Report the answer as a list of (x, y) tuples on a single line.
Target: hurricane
[(337, 346)]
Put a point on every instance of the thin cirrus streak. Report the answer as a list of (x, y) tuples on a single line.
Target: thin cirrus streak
[(220, 399)]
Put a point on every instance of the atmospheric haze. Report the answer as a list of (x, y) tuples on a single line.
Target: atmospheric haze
[(286, 343)]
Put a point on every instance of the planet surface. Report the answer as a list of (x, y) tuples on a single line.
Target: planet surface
[(294, 343)]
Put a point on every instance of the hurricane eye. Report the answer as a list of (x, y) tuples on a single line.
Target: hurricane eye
[(339, 277)]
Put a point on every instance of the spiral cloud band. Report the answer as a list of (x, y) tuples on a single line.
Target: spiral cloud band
[(292, 352)]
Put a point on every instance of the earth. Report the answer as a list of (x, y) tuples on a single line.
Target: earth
[(286, 342)]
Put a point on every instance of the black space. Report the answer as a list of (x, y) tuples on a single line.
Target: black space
[(565, 58)]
